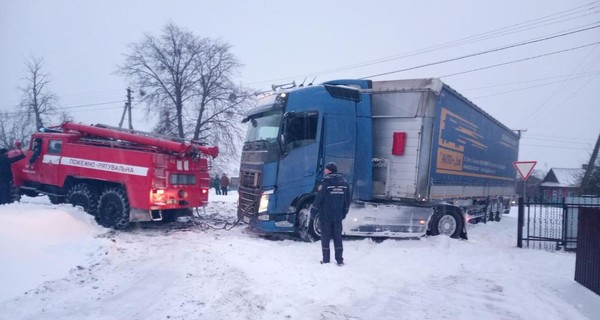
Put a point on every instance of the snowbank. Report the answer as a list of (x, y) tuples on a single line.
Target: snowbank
[(40, 242), (62, 266)]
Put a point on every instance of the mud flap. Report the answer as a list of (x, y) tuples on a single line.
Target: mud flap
[(463, 232)]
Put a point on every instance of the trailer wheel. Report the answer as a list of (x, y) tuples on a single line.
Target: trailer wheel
[(84, 195), (309, 227), (113, 209), (447, 223), (498, 216)]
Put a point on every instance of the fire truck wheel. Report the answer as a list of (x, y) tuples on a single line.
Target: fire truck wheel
[(56, 199), (113, 209), (309, 231), (84, 195), (445, 222)]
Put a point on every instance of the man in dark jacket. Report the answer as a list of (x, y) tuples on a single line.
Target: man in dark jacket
[(332, 202), (37, 149), (6, 175), (224, 184)]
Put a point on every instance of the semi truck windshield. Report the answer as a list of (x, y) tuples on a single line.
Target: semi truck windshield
[(264, 126)]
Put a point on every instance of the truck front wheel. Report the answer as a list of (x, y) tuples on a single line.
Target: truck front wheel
[(113, 209), (445, 222), (309, 226), (84, 195)]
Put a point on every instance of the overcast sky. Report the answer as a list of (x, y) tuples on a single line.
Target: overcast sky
[(553, 93)]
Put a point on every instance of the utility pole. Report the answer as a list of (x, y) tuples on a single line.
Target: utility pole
[(591, 164), (127, 109)]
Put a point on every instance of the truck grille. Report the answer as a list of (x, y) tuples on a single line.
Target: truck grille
[(248, 201), (250, 179)]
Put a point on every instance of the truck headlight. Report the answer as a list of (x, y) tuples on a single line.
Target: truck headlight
[(264, 201)]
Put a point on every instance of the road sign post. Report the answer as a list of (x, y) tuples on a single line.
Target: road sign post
[(524, 168)]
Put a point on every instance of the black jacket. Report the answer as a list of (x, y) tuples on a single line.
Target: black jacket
[(5, 162), (333, 198)]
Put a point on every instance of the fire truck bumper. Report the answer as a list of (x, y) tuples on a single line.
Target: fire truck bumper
[(139, 215)]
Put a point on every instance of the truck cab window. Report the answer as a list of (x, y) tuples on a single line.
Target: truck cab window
[(301, 130), (264, 127), (54, 146)]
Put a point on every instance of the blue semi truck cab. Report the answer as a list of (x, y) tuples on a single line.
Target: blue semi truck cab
[(420, 158)]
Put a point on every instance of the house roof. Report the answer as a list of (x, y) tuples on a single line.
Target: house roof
[(563, 178)]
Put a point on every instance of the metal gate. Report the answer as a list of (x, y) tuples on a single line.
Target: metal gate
[(551, 225), (587, 263)]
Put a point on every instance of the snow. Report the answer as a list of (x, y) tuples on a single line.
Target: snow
[(56, 263)]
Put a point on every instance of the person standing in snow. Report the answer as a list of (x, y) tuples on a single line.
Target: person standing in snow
[(6, 175), (332, 202), (216, 183), (224, 184)]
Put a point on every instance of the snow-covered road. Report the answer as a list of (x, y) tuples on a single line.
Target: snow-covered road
[(58, 264)]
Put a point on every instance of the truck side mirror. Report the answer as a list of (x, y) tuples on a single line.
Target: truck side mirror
[(282, 142)]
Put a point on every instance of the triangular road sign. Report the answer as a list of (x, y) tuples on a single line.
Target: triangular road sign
[(524, 168)]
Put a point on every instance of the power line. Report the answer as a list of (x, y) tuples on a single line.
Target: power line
[(72, 107), (525, 88), (553, 147), (557, 140), (519, 60), (108, 108), (91, 95), (557, 91), (92, 104), (527, 25), (555, 137), (485, 52), (506, 84)]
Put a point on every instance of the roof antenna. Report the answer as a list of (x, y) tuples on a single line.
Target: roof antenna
[(311, 83), (302, 84)]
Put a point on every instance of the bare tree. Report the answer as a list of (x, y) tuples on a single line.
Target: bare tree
[(14, 127), (37, 102), (591, 185), (219, 104), (188, 83)]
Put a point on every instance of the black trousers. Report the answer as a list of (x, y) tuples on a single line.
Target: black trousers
[(224, 190), (5, 192), (332, 230)]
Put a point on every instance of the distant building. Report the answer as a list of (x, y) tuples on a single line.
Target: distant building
[(561, 183)]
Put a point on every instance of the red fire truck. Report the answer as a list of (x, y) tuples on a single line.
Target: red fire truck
[(117, 175)]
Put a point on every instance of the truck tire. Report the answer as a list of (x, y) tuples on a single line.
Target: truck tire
[(496, 205), (309, 231), (113, 209), (446, 222), (498, 216), (84, 195)]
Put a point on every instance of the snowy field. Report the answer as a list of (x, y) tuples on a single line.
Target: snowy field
[(56, 263)]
